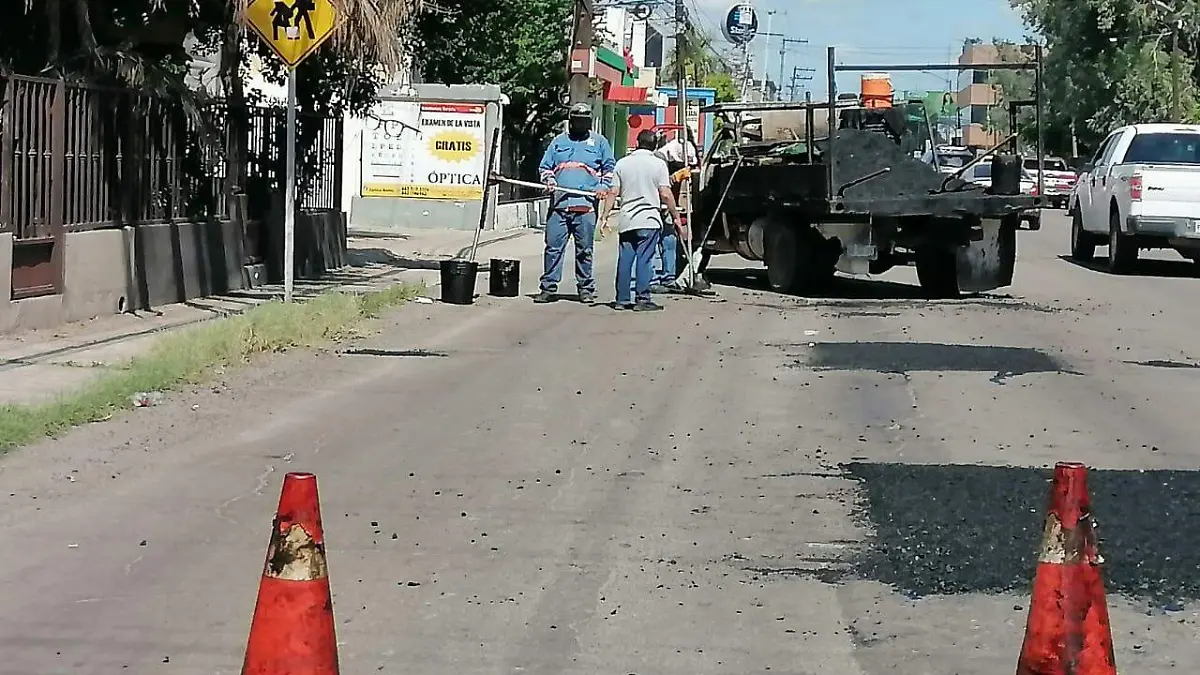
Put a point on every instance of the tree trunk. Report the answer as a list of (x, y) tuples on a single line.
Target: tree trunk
[(54, 26), (83, 23)]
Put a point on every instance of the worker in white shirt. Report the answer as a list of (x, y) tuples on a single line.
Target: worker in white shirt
[(679, 156)]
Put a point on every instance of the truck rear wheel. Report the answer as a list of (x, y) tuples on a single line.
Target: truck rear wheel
[(787, 258), (937, 271)]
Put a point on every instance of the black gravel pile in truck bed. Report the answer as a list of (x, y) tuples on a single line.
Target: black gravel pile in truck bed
[(859, 153), (960, 529)]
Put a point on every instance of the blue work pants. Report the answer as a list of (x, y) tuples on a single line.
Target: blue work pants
[(634, 262), (668, 248), (561, 226)]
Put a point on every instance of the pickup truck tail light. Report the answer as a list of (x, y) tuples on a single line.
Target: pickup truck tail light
[(1135, 187)]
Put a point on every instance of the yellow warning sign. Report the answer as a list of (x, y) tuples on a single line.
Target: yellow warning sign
[(293, 29)]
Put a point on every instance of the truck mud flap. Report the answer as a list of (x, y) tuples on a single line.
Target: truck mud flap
[(987, 262)]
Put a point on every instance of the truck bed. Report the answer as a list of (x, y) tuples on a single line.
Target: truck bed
[(910, 188)]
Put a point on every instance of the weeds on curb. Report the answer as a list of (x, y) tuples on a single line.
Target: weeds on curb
[(193, 355)]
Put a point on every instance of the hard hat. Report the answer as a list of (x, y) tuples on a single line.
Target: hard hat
[(581, 110)]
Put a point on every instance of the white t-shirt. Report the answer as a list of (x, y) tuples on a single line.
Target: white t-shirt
[(637, 179), (674, 151)]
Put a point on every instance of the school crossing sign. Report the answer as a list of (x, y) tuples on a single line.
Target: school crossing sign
[(293, 29)]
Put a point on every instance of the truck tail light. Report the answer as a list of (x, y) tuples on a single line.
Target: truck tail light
[(1135, 187)]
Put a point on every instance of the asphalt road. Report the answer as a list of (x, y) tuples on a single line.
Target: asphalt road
[(764, 485)]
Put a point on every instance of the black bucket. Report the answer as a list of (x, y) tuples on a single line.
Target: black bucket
[(458, 281), (505, 278)]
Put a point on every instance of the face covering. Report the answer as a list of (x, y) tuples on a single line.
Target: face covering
[(579, 127)]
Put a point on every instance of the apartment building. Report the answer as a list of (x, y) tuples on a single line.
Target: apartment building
[(977, 96)]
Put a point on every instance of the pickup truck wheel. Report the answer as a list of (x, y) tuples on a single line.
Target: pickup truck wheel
[(1122, 248), (1083, 243), (789, 260), (937, 271)]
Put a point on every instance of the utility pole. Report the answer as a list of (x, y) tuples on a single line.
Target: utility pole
[(681, 82), (766, 46), (1176, 76), (783, 46), (582, 37), (1176, 59), (797, 78)]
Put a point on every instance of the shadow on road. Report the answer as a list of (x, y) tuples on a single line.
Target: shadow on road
[(361, 257), (845, 291), (1162, 269), (843, 288)]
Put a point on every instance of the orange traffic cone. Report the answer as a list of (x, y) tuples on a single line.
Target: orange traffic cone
[(1068, 632), (292, 632)]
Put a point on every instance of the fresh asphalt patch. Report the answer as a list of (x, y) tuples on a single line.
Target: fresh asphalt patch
[(911, 357), (953, 529)]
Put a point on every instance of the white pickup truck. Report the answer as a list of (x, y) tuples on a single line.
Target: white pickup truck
[(1140, 191), (1058, 179)]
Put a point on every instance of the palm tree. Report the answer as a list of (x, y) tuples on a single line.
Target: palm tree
[(698, 60)]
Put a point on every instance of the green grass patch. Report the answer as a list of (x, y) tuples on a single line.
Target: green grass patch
[(194, 355)]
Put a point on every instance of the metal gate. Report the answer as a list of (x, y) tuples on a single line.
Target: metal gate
[(32, 137)]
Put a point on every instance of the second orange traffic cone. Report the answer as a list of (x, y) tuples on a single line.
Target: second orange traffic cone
[(1068, 632), (292, 632)]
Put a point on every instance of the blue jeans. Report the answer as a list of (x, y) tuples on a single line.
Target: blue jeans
[(634, 260), (563, 225), (655, 260), (667, 273), (663, 266)]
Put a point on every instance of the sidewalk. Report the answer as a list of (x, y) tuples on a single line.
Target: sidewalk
[(38, 365)]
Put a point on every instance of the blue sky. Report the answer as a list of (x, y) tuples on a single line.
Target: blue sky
[(870, 31)]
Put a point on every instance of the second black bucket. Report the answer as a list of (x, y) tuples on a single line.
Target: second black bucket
[(505, 278), (458, 281)]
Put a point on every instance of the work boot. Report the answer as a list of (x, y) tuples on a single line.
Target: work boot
[(587, 297), (647, 306), (544, 297)]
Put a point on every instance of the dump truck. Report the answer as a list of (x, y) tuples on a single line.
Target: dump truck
[(810, 188)]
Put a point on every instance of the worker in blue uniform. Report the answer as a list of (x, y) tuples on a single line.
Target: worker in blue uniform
[(579, 159)]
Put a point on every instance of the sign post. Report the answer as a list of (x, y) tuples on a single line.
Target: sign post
[(293, 30)]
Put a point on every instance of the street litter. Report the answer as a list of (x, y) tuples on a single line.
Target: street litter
[(146, 399)]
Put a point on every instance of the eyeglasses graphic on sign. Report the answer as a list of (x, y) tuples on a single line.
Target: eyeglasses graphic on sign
[(392, 128)]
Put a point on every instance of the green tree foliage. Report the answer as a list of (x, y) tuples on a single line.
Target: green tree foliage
[(698, 59), (518, 44), (723, 83), (140, 44), (1108, 63)]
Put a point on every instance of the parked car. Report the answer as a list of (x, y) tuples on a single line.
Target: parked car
[(1058, 179), (1141, 190), (950, 158), (981, 174)]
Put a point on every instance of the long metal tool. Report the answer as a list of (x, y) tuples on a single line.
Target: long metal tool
[(487, 189), (721, 202), (497, 178)]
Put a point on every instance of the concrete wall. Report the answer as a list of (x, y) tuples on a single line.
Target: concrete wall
[(531, 213), (178, 262), (111, 271), (96, 279)]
